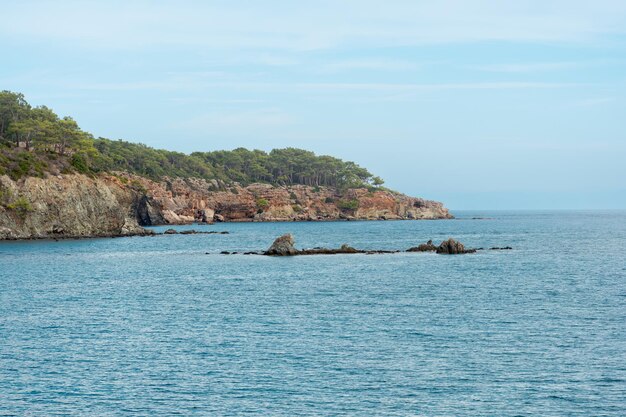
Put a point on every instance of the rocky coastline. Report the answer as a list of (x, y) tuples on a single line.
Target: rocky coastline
[(121, 204)]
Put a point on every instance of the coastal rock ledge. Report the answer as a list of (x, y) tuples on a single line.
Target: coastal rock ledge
[(119, 204)]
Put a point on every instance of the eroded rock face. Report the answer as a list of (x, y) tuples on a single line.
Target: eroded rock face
[(117, 205), (453, 247), (283, 246), (67, 206), (182, 201)]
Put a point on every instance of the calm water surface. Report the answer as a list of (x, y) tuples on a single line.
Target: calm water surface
[(155, 326)]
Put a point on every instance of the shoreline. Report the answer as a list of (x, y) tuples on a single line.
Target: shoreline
[(150, 233)]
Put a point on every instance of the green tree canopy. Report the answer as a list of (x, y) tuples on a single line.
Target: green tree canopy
[(41, 132)]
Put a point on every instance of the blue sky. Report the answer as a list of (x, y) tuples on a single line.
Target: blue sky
[(479, 104)]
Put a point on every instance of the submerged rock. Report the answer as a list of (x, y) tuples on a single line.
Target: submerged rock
[(283, 246), (344, 249), (193, 232)]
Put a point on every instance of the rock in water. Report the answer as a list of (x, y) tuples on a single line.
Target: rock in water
[(452, 247), (345, 248), (424, 247), (170, 232), (283, 246)]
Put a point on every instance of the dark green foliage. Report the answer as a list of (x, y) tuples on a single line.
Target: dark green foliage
[(285, 167), (349, 205), (5, 196), (329, 200), (143, 160), (123, 179), (21, 205), (79, 163), (19, 163), (4, 162), (41, 137), (137, 186), (262, 203)]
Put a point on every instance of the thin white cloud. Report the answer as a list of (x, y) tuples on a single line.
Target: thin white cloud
[(315, 25), (530, 67), (369, 64), (203, 100), (593, 101), (390, 87), (246, 120), (192, 83)]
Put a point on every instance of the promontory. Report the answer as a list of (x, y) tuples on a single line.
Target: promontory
[(58, 181)]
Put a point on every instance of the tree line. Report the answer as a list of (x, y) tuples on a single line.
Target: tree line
[(38, 134)]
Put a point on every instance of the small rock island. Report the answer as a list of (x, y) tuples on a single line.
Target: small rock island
[(285, 246)]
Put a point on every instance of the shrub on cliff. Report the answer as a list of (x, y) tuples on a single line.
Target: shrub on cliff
[(21, 205), (18, 163), (262, 203), (79, 163), (348, 204)]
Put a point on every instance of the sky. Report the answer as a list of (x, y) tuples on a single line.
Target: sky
[(479, 104)]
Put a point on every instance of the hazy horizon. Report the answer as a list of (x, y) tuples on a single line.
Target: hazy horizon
[(477, 104)]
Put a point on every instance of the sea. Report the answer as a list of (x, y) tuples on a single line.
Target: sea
[(166, 325)]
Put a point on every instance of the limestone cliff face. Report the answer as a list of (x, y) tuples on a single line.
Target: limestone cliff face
[(118, 205), (66, 206)]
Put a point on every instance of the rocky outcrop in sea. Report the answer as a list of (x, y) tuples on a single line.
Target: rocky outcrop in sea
[(284, 246)]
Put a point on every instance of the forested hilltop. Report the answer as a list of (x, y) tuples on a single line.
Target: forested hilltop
[(35, 141)]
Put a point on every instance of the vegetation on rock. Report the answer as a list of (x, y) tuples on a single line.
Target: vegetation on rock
[(35, 140), (348, 204)]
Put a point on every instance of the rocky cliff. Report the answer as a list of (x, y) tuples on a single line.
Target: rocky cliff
[(117, 205), (66, 206), (185, 200)]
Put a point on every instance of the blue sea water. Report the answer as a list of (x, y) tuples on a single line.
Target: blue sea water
[(156, 326)]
